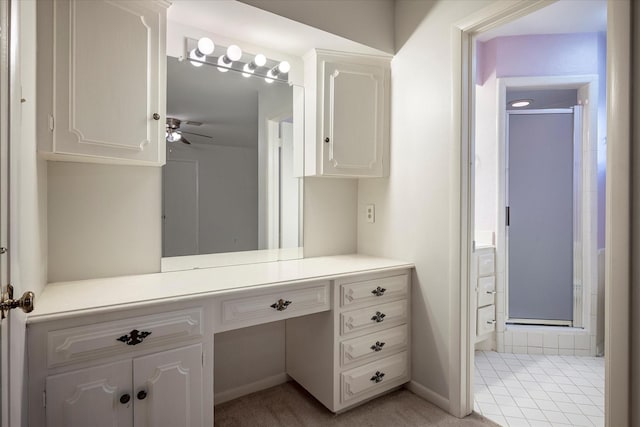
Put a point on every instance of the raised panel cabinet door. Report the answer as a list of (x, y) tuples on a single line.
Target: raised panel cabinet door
[(353, 119), (109, 67), (168, 388), (97, 397)]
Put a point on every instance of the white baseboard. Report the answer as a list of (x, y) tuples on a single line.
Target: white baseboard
[(243, 390), (429, 395)]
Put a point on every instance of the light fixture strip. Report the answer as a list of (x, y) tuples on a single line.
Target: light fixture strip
[(196, 50)]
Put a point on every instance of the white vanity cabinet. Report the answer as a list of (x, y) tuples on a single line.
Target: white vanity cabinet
[(101, 67), (346, 114), (360, 348), (140, 371)]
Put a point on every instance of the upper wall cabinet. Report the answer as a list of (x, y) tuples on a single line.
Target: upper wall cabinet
[(347, 115), (105, 61)]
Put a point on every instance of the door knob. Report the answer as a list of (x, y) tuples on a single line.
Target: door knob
[(156, 116), (124, 399), (141, 395), (25, 303)]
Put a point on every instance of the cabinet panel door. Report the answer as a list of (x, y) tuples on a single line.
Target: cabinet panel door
[(109, 64), (172, 381), (353, 119), (90, 397)]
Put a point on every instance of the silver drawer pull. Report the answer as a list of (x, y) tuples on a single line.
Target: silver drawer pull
[(491, 322), (490, 292), (379, 317), (378, 291), (281, 305), (377, 346), (377, 377)]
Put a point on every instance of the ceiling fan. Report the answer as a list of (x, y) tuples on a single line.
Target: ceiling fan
[(174, 134)]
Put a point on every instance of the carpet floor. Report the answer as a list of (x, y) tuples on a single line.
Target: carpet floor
[(290, 405)]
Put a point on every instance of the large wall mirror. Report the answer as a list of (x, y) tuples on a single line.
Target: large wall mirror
[(232, 184)]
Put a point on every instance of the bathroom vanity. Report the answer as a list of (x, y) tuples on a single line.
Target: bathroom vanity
[(142, 353)]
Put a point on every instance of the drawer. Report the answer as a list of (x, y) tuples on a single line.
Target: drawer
[(486, 320), (374, 291), (374, 317), (379, 344), (108, 338), (373, 378), (486, 264), (273, 306), (486, 290)]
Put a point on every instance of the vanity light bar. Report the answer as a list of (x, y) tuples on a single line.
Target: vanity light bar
[(198, 56)]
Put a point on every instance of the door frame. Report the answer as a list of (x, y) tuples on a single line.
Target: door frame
[(587, 86), (617, 263)]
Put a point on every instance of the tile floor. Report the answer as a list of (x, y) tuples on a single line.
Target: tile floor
[(539, 390)]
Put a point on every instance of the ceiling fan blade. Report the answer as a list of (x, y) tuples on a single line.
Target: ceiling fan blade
[(196, 134), (183, 140)]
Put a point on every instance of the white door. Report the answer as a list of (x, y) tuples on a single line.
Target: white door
[(98, 397), (167, 388), (353, 119)]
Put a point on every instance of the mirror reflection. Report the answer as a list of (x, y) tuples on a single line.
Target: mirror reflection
[(232, 179)]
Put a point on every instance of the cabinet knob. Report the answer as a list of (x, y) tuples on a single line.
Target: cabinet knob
[(125, 398), (327, 140), (281, 305), (378, 291), (142, 395), (378, 346), (156, 116), (377, 377)]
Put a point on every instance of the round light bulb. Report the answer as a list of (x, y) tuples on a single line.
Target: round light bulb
[(174, 137), (234, 53), (223, 66), (247, 71), (270, 77), (206, 46), (260, 60), (194, 55), (284, 67)]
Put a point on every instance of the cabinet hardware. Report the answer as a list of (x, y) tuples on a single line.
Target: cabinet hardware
[(25, 302), (3, 250), (327, 140), (379, 317), (377, 346), (134, 337), (156, 116), (490, 292), (125, 398), (377, 377), (281, 305), (378, 291), (141, 395), (491, 322)]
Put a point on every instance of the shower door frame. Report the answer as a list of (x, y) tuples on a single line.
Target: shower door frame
[(587, 86), (577, 143)]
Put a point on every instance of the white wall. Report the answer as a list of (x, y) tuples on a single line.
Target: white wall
[(417, 208), (103, 220), (369, 22)]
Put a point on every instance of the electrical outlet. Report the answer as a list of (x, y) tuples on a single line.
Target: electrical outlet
[(371, 213)]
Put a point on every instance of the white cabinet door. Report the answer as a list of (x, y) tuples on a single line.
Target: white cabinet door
[(109, 63), (168, 388), (353, 119), (94, 397)]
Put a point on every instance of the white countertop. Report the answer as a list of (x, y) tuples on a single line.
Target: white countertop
[(68, 299)]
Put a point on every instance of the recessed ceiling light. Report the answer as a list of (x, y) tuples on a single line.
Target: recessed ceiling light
[(519, 103)]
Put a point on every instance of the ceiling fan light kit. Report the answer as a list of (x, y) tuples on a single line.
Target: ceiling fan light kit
[(199, 53), (174, 134)]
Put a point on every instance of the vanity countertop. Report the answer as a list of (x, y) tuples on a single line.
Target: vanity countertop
[(69, 299)]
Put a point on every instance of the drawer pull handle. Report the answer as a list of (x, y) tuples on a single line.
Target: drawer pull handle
[(124, 399), (134, 337), (490, 292), (491, 322), (281, 305), (379, 317), (377, 377), (378, 291), (377, 346), (142, 395)]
